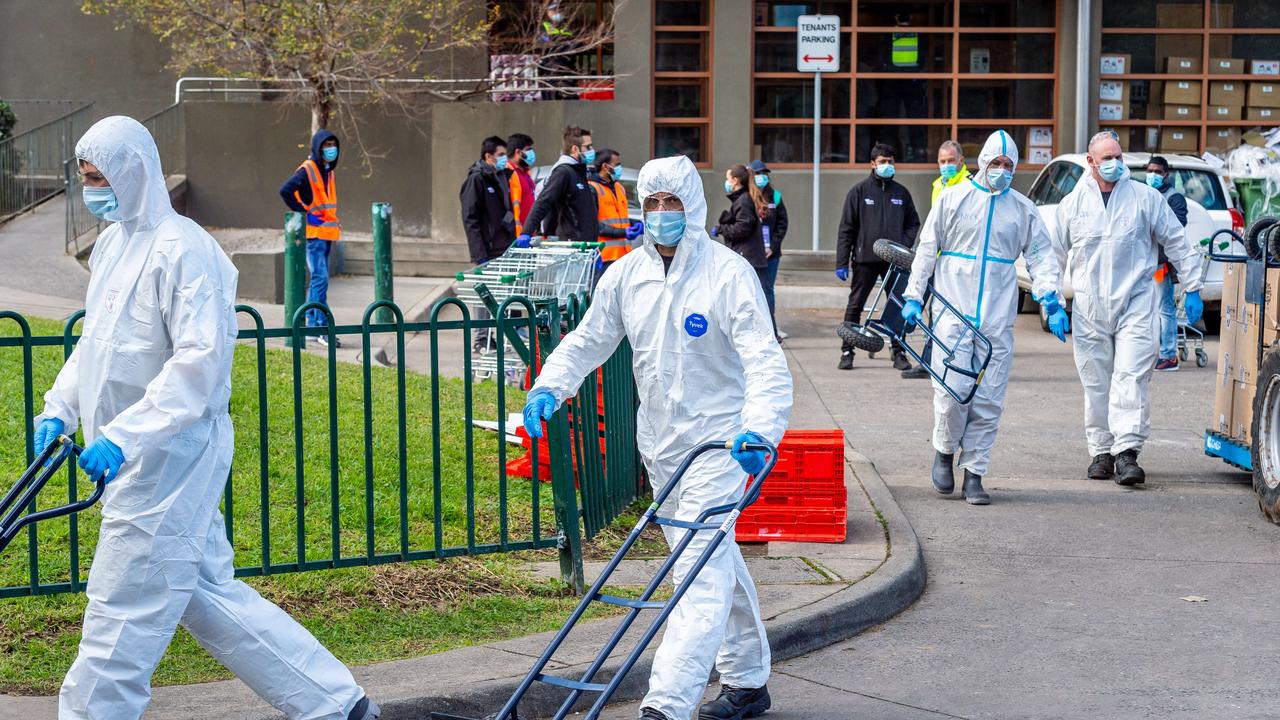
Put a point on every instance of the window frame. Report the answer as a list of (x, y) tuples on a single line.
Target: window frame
[(704, 77)]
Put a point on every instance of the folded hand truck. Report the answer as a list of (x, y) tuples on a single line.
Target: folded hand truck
[(24, 492), (870, 336), (587, 682)]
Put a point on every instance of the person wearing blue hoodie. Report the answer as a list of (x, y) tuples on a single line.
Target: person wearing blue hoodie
[(312, 192)]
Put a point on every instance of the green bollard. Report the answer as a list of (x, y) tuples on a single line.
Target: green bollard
[(295, 267), (383, 265)]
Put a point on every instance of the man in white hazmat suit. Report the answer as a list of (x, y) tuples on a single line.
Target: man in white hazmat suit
[(150, 381), (968, 247), (707, 367), (1112, 226)]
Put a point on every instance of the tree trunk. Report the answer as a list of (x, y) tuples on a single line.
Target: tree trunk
[(321, 109)]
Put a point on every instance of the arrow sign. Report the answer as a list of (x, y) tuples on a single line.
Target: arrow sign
[(818, 43)]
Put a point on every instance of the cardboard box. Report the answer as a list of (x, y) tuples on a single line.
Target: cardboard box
[(1112, 111), (1224, 112), (1040, 136), (1184, 113), (1262, 114), (1039, 155), (1122, 133), (1179, 15), (1226, 66), (1182, 65), (1179, 139), (1114, 63), (1223, 139), (1182, 92), (1246, 343), (1271, 317), (1116, 91), (1264, 67), (1263, 94), (1226, 92), (1223, 392), (1242, 412)]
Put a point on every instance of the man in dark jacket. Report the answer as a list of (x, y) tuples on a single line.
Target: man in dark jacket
[(775, 226), (1159, 177), (315, 177), (878, 207), (486, 213), (566, 202)]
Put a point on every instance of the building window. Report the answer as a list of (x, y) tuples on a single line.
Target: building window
[(912, 74), (529, 55), (682, 79), (1188, 76)]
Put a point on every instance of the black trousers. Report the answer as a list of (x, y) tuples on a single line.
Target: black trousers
[(863, 278)]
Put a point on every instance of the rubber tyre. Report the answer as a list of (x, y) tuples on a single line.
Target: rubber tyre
[(893, 253), (1272, 243), (1202, 359), (860, 337), (1254, 242), (1266, 436), (1183, 354)]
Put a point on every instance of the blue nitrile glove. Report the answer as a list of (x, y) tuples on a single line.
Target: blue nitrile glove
[(842, 274), (715, 230), (752, 461), (46, 433), (540, 405), (599, 264), (524, 241), (1193, 306), (102, 458), (912, 312), (1059, 323), (635, 231), (313, 219)]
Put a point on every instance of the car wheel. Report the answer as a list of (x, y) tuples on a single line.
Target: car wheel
[(1266, 437)]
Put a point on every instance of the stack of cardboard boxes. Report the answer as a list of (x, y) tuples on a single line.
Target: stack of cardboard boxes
[(1262, 104), (1242, 322)]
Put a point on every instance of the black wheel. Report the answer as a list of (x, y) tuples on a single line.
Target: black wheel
[(1272, 242), (1266, 436), (860, 337), (1026, 303), (1183, 354), (1254, 243), (1202, 358), (893, 253)]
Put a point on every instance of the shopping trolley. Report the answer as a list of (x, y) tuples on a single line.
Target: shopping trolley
[(24, 492), (959, 379), (587, 682)]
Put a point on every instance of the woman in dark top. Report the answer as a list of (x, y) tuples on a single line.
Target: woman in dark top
[(740, 225)]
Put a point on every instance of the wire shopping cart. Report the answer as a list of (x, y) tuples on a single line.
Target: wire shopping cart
[(1190, 337)]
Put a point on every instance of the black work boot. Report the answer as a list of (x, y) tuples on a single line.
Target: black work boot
[(734, 703), (846, 360), (651, 714), (944, 478), (900, 361), (1128, 472), (972, 490), (1102, 467), (366, 709), (916, 372)]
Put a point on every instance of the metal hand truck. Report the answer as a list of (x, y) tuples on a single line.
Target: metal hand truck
[(23, 492), (1190, 337), (586, 683), (869, 336)]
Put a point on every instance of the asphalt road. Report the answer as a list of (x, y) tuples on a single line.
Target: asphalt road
[(1065, 598)]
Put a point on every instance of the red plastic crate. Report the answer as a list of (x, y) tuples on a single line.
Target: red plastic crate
[(793, 525), (803, 500)]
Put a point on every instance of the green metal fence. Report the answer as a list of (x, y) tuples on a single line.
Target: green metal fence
[(340, 465)]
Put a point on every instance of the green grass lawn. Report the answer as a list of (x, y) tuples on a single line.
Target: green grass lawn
[(364, 614)]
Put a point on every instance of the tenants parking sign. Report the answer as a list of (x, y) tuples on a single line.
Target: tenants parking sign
[(818, 43)]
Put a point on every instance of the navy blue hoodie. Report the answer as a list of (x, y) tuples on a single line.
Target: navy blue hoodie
[(299, 183)]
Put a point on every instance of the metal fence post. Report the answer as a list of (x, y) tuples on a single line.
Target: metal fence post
[(383, 265), (295, 267), (564, 493)]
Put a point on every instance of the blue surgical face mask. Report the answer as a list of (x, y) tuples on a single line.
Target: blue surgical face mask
[(530, 157), (999, 180), (616, 173), (589, 156), (728, 187), (1111, 170), (762, 180), (102, 202), (329, 154), (500, 162), (885, 171), (665, 227), (1155, 181), (948, 171)]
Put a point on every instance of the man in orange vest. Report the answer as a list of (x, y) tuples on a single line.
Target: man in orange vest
[(616, 229), (520, 148), (312, 192)]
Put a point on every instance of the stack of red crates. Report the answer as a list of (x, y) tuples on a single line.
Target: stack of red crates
[(803, 498)]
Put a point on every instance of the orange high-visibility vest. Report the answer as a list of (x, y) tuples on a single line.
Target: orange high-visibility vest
[(612, 202), (324, 202), (517, 201)]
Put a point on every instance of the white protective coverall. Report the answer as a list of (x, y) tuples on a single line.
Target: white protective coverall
[(707, 367), (152, 373), (968, 246), (1114, 310)]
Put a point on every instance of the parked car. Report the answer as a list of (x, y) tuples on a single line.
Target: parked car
[(1210, 207)]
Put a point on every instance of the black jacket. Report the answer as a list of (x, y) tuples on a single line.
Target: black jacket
[(298, 181), (739, 228), (1178, 204), (776, 221), (874, 209), (567, 204), (486, 211)]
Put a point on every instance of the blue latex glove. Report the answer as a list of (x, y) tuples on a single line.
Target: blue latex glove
[(635, 231), (842, 274), (1050, 302), (48, 431), (1193, 306), (313, 219), (599, 264), (1059, 323), (102, 458), (752, 461), (524, 241), (912, 312), (715, 230), (540, 405)]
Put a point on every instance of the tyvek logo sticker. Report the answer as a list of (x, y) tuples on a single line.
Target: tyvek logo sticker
[(695, 325)]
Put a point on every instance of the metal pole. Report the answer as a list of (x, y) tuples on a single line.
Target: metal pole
[(817, 157), (1084, 76), (295, 267), (383, 266)]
